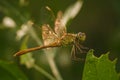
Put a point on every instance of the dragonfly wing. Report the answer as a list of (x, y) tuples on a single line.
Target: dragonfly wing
[(48, 34), (59, 28), (73, 53)]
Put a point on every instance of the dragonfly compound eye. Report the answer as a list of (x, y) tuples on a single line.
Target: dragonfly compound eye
[(81, 36)]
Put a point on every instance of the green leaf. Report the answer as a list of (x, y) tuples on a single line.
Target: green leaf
[(9, 71), (99, 68)]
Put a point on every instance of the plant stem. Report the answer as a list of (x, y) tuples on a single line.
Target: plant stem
[(53, 67), (45, 73)]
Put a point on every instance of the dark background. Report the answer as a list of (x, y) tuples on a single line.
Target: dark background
[(99, 19)]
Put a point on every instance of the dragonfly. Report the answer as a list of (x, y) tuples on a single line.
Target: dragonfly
[(58, 37)]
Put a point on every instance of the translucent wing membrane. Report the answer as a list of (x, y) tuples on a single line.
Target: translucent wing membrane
[(48, 35), (59, 28)]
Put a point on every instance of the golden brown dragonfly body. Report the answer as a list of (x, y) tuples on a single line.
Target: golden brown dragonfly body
[(58, 37)]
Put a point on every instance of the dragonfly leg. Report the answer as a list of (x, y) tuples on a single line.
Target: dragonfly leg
[(78, 59), (83, 47), (79, 47), (73, 56)]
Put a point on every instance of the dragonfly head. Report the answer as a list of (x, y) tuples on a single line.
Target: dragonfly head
[(81, 36)]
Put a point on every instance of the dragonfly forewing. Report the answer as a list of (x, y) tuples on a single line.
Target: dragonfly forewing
[(59, 28)]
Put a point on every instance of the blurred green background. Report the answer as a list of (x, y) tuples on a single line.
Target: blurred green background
[(99, 19)]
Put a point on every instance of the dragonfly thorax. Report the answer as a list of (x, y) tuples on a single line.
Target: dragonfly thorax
[(69, 38)]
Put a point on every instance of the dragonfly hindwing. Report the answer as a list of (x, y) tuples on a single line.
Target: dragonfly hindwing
[(48, 35)]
